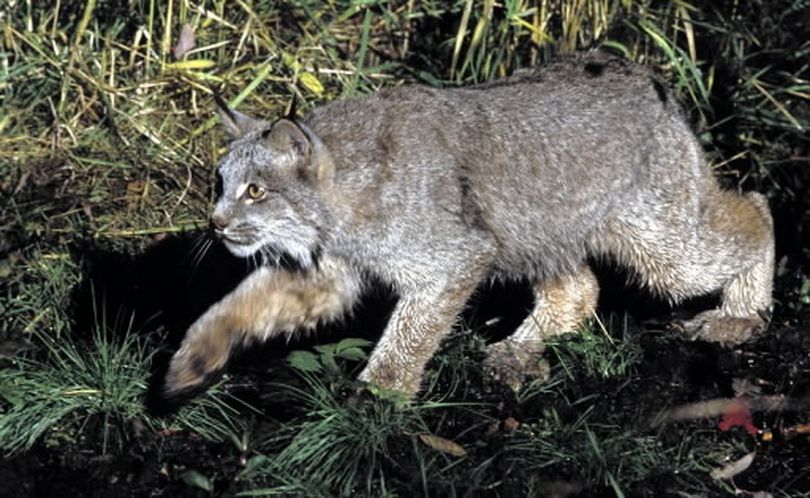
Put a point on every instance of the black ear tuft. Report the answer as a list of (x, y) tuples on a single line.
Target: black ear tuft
[(222, 105), (236, 124)]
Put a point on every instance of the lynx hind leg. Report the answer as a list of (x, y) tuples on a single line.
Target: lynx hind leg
[(561, 305), (742, 227), (267, 303), (681, 252)]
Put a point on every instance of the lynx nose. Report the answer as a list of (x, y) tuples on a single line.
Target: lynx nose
[(219, 222)]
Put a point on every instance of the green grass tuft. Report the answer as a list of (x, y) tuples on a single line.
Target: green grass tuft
[(594, 352), (340, 446), (68, 387)]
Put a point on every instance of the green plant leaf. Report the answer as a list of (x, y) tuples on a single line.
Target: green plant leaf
[(305, 361), (353, 342), (353, 354), (329, 363), (326, 349), (197, 480), (254, 463)]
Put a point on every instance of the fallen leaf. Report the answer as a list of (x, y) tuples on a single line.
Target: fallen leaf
[(443, 445), (738, 414), (186, 42), (734, 468), (510, 425)]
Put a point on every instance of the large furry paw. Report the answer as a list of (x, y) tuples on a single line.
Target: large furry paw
[(194, 366), (715, 326), (514, 364)]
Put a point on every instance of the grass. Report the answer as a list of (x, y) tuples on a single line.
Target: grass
[(593, 352), (339, 447), (37, 291), (596, 453), (342, 444), (67, 388), (346, 441), (108, 140)]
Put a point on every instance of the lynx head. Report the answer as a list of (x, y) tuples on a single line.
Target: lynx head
[(270, 180)]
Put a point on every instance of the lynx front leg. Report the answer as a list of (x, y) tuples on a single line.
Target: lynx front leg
[(420, 321), (267, 303)]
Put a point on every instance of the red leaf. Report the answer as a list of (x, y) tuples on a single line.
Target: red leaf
[(738, 414)]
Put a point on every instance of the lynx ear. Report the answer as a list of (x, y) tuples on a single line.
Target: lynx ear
[(305, 148), (320, 160), (287, 137), (236, 123)]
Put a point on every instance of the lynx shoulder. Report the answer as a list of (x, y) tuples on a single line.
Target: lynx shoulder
[(435, 190)]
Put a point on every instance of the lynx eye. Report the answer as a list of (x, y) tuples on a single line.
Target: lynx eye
[(255, 192)]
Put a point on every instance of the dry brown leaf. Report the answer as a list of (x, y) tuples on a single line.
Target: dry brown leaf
[(734, 468), (186, 42), (510, 425), (444, 445)]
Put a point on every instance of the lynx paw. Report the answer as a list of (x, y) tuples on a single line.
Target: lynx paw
[(513, 364), (715, 326), (193, 367)]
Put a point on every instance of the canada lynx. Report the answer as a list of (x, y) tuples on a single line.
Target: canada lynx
[(434, 190)]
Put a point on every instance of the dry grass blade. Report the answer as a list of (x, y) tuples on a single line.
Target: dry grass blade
[(736, 467), (460, 35), (782, 109), (444, 445)]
